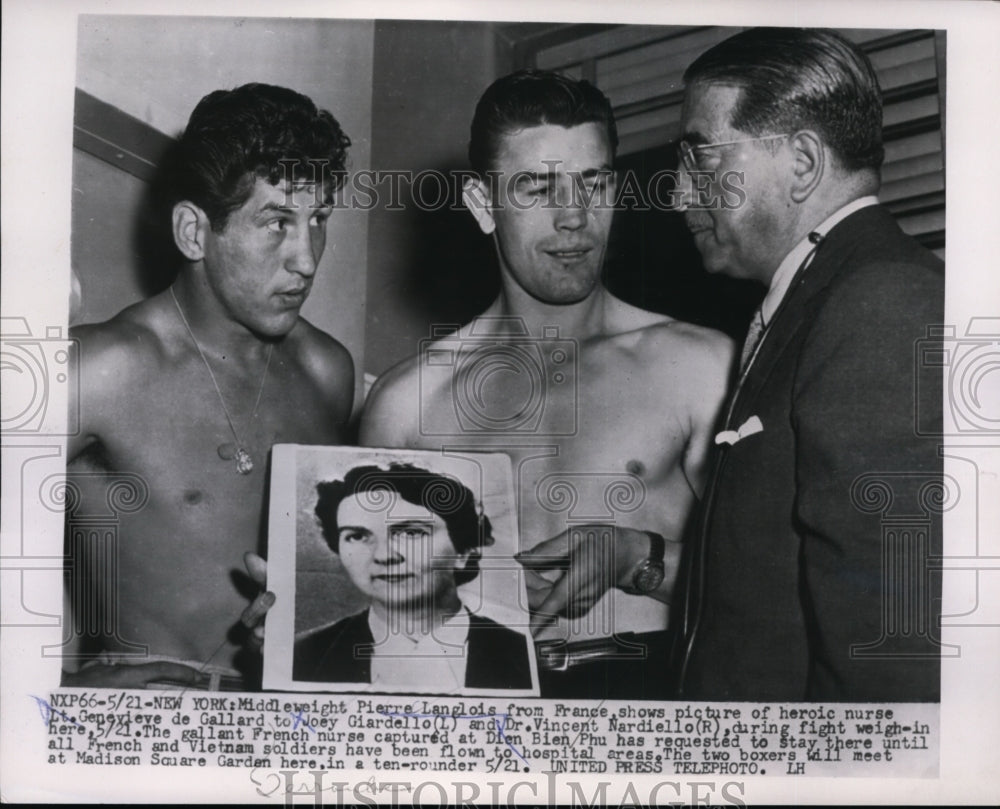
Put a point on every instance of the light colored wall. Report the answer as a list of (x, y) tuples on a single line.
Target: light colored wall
[(106, 201), (157, 68), (428, 77)]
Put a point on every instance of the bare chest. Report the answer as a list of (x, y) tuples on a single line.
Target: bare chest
[(199, 450), (592, 437)]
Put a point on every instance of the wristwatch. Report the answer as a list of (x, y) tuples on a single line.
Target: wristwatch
[(650, 572)]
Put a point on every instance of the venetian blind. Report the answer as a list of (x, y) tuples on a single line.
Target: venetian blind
[(640, 70)]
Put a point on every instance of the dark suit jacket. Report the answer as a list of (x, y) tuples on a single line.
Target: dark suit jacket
[(341, 653), (808, 577)]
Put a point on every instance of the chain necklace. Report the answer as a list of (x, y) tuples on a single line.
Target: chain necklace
[(244, 463)]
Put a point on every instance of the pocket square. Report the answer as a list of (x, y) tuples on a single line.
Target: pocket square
[(749, 427)]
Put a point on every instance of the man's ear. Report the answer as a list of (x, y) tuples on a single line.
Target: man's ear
[(189, 226), (475, 197), (809, 156)]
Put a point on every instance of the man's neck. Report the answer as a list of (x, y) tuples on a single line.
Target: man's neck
[(833, 194), (808, 216), (213, 328), (580, 320)]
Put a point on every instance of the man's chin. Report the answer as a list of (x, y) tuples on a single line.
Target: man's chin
[(716, 268), (717, 263), (569, 294), (277, 328)]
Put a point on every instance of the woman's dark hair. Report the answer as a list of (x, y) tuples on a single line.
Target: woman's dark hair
[(468, 528)]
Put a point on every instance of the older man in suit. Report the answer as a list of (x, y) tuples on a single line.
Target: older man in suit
[(792, 589)]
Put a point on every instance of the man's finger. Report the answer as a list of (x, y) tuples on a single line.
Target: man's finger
[(552, 607), (255, 638), (537, 597), (551, 553), (534, 581), (256, 568), (258, 608)]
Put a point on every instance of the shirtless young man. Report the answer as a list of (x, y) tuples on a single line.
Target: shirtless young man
[(189, 389), (606, 410)]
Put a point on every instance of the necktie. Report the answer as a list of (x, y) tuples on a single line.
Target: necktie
[(692, 573), (756, 329), (753, 337)]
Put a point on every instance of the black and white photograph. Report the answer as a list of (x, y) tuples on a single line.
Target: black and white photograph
[(533, 393), (403, 574)]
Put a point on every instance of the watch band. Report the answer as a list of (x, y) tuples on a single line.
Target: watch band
[(649, 573), (657, 546)]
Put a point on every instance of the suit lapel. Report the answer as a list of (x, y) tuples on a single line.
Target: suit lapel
[(794, 311), (838, 249)]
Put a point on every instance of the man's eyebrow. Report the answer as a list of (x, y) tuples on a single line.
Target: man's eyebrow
[(604, 168), (549, 176), (268, 207), (361, 529), (535, 176)]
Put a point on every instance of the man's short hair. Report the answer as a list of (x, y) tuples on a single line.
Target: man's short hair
[(468, 528), (795, 78), (530, 98), (256, 130)]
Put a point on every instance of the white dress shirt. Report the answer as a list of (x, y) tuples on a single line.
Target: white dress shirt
[(435, 658), (782, 278)]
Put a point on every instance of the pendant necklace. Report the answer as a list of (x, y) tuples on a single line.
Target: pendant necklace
[(244, 463)]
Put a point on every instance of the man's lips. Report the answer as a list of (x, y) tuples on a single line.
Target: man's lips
[(568, 253), (294, 294), (697, 225)]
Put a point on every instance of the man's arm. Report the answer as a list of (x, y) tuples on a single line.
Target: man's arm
[(596, 559), (98, 361), (854, 414), (602, 557), (709, 375), (100, 356)]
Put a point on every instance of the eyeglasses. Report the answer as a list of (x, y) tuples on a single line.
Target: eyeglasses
[(687, 152)]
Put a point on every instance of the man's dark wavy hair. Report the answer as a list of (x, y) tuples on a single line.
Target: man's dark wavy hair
[(798, 78), (256, 130), (447, 497), (532, 98)]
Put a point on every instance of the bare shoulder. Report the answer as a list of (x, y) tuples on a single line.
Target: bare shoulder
[(325, 357), (667, 343), (130, 341), (113, 362), (327, 363), (391, 415), (691, 344)]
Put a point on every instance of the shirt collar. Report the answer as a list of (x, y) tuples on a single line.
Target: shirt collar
[(452, 634), (782, 278), (434, 660)]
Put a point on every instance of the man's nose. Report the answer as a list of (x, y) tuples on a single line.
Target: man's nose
[(683, 196), (571, 209), (304, 257)]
